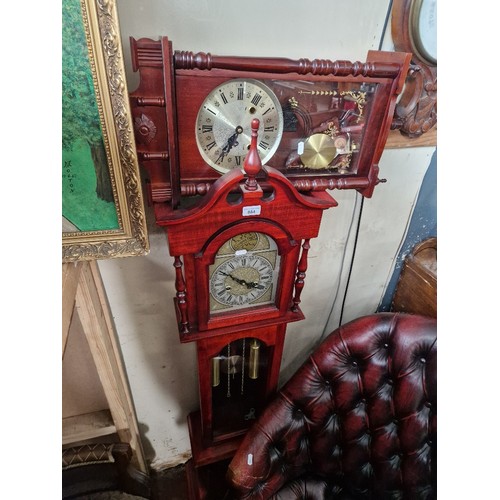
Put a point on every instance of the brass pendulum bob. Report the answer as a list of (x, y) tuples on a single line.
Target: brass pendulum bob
[(215, 371), (253, 364)]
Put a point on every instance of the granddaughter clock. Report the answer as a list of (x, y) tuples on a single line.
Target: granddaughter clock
[(240, 257), (239, 231)]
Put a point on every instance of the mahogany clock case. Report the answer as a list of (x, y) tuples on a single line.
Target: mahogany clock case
[(333, 122), (197, 236)]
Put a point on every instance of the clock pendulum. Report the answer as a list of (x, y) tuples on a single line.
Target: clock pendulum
[(243, 367), (253, 363), (215, 371)]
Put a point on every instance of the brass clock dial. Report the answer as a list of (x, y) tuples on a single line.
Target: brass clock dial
[(245, 272), (223, 123)]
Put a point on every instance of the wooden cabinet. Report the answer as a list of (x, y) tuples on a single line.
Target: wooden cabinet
[(98, 405), (416, 292)]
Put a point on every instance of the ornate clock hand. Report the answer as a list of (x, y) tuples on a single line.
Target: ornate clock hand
[(243, 282), (234, 278), (253, 284), (231, 142)]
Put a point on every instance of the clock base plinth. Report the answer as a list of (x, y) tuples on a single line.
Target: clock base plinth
[(207, 454), (208, 482), (206, 469)]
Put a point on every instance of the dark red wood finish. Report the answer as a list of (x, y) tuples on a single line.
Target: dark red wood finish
[(273, 338), (165, 105), (196, 234), (179, 82)]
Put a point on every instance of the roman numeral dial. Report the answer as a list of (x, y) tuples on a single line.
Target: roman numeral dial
[(245, 273), (223, 129)]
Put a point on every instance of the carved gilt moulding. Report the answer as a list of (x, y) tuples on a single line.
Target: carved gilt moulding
[(416, 111), (100, 20)]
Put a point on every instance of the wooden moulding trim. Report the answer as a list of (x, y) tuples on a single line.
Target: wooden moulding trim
[(147, 52), (229, 181), (195, 334), (206, 61), (396, 140)]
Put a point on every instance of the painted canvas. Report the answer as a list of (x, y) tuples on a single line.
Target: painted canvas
[(102, 204), (88, 202)]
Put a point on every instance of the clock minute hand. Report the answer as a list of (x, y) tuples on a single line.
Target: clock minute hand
[(238, 280), (231, 142), (242, 282)]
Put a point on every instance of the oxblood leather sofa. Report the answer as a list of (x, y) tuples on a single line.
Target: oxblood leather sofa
[(357, 420)]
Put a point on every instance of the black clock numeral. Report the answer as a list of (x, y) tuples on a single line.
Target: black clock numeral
[(268, 110), (238, 160), (263, 145), (240, 93), (223, 97), (256, 99), (211, 145), (269, 129), (211, 111), (206, 128)]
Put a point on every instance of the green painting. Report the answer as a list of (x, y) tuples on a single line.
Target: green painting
[(87, 202)]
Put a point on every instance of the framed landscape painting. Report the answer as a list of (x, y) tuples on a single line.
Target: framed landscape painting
[(102, 204)]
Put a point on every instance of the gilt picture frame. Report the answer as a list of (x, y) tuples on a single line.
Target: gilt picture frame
[(103, 212)]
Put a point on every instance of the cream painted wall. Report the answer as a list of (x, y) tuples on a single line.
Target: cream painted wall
[(162, 372)]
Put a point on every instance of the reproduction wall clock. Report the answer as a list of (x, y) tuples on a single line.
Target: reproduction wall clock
[(323, 123)]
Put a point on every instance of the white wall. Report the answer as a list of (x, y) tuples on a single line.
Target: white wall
[(162, 372)]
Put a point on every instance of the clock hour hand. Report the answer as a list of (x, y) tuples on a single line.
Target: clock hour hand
[(231, 142), (243, 282)]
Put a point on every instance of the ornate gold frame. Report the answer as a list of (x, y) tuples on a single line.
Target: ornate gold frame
[(100, 19)]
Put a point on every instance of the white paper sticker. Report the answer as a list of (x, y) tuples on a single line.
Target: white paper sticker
[(254, 210), (240, 252), (249, 459), (300, 148)]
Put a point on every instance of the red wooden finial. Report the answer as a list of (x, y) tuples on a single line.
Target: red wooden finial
[(252, 164)]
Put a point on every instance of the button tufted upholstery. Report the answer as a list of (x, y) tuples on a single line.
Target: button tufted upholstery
[(357, 420)]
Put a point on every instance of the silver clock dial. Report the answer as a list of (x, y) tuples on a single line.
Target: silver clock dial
[(241, 280), (245, 273), (223, 130)]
